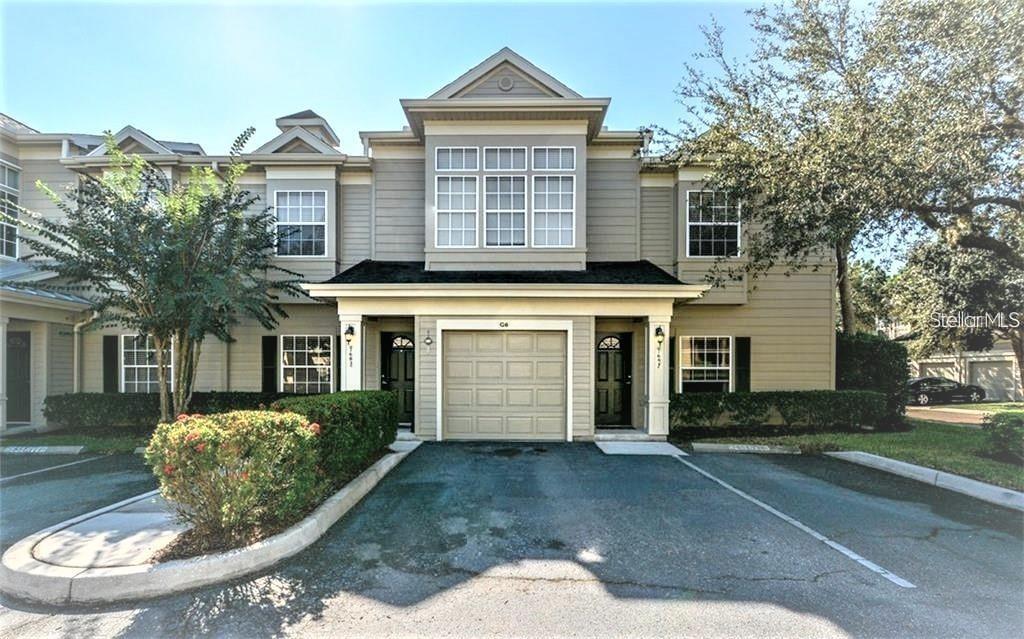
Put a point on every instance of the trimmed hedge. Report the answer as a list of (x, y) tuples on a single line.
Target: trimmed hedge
[(99, 410), (865, 361), (357, 427), (804, 410), (1005, 436), (240, 475)]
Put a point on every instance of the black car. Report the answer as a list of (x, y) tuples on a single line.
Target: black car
[(939, 390)]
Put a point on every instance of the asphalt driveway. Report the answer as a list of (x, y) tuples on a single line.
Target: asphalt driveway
[(475, 540)]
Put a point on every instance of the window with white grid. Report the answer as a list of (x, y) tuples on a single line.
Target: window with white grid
[(505, 210), (10, 184), (553, 210), (712, 224), (456, 211), (301, 223), (139, 370), (705, 364), (554, 158), (505, 158), (307, 363), (456, 158)]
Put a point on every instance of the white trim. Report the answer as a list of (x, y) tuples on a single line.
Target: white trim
[(476, 212), (648, 180), (139, 136), (502, 325), (738, 224), (499, 149), (296, 133), (464, 169), (533, 158), (679, 359), (121, 365), (281, 366), (278, 224), (533, 211), (300, 173), (521, 64), (10, 164), (526, 212), (569, 126), (356, 178)]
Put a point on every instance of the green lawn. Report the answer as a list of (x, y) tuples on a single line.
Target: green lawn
[(947, 447), (994, 407), (97, 441)]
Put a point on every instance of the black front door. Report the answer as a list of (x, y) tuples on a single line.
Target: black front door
[(398, 366), (19, 391), (614, 366)]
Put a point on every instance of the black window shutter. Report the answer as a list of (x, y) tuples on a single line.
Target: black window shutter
[(742, 365), (110, 364), (269, 364)]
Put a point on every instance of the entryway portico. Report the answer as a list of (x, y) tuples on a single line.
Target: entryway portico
[(513, 360)]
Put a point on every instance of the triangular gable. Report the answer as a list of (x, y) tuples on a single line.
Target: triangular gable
[(287, 141), (506, 81), (132, 140), (491, 70)]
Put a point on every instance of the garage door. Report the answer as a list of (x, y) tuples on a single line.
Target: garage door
[(947, 370), (504, 385), (995, 377)]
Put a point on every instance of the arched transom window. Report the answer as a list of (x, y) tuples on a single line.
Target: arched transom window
[(610, 343), (401, 341)]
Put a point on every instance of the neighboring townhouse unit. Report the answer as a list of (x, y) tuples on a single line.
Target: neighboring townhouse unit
[(505, 263)]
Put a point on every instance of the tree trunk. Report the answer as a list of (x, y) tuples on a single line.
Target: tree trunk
[(186, 361), (1017, 342), (160, 344), (849, 320)]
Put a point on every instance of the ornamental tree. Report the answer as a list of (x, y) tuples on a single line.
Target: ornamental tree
[(845, 128), (175, 261)]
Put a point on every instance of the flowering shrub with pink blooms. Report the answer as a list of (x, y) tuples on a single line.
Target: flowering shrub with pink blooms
[(235, 476)]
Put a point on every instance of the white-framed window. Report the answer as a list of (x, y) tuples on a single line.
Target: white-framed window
[(301, 223), (505, 210), (307, 363), (554, 206), (456, 202), (456, 158), (554, 158), (139, 370), (705, 364), (504, 158), (712, 224), (10, 189)]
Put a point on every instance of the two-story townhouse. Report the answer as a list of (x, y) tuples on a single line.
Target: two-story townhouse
[(505, 263)]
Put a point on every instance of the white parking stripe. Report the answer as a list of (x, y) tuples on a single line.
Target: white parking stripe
[(43, 470), (870, 565)]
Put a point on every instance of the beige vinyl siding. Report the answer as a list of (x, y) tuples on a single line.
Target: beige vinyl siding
[(791, 323), (488, 86), (612, 212), (59, 359), (53, 175), (582, 381), (355, 224), (398, 213), (657, 226)]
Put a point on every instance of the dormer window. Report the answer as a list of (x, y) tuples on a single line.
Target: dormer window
[(301, 223), (505, 210), (457, 158), (554, 158), (511, 158), (712, 224)]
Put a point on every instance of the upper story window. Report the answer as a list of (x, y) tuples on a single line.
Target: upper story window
[(712, 225), (10, 185), (554, 158), (505, 210), (505, 158), (706, 364), (139, 370), (457, 158), (301, 223), (456, 202), (554, 207)]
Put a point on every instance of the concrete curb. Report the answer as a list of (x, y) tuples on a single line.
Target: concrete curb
[(971, 487), (24, 577), (42, 450), (744, 448)]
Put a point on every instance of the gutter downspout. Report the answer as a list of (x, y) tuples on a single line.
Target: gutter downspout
[(76, 378)]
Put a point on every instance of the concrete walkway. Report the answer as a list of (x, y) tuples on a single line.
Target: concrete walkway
[(130, 535), (947, 414)]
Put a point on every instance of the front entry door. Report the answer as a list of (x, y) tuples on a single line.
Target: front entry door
[(19, 392), (398, 366), (614, 375)]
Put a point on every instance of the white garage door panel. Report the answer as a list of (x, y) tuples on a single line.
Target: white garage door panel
[(504, 385), (995, 377)]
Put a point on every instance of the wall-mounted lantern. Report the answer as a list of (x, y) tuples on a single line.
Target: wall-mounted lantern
[(350, 334)]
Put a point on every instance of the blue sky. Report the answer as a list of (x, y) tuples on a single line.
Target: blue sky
[(196, 72)]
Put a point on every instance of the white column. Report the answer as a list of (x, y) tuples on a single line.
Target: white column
[(656, 418), (352, 337), (3, 374)]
